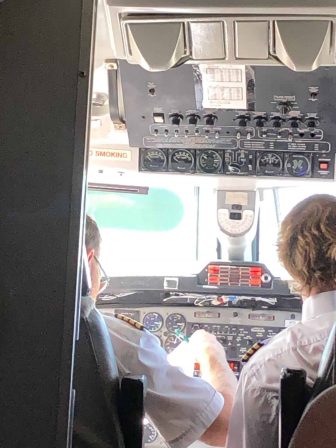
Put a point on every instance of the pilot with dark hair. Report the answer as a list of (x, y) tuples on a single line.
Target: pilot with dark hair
[(183, 408), (307, 249)]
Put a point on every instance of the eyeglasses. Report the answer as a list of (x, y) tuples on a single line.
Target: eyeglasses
[(105, 280)]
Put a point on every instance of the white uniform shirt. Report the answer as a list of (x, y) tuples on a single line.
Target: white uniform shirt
[(254, 420), (181, 407)]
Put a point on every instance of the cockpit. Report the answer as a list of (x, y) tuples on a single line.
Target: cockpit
[(207, 124)]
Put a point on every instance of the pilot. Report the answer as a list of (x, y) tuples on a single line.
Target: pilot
[(307, 249), (183, 408)]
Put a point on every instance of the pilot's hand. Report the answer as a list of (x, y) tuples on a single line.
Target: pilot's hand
[(212, 358)]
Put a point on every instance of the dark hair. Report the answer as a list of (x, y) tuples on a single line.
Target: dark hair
[(307, 243), (92, 234)]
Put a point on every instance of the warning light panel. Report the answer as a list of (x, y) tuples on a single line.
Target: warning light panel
[(234, 275)]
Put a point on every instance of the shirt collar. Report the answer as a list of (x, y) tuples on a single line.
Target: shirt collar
[(322, 303)]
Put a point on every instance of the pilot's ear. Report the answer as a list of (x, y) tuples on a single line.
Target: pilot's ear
[(90, 254)]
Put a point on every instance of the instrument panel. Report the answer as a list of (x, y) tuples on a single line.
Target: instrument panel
[(235, 328)]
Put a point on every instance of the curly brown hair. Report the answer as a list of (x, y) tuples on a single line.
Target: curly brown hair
[(307, 243)]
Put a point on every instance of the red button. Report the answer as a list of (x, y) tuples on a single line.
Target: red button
[(324, 166)]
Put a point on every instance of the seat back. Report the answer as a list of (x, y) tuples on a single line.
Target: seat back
[(293, 399), (96, 380), (326, 375), (317, 426), (307, 416)]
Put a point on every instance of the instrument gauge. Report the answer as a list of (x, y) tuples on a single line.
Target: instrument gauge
[(154, 159), (269, 163), (298, 165), (153, 322), (182, 160), (175, 321), (171, 343), (210, 161), (150, 433)]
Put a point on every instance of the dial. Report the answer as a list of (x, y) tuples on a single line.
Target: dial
[(175, 321), (154, 159), (153, 322), (269, 163), (238, 161), (210, 161), (150, 433), (171, 342), (182, 160), (298, 165)]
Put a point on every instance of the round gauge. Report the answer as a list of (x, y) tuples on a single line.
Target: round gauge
[(270, 163), (175, 321), (171, 342), (210, 161), (150, 433), (182, 160), (154, 159), (153, 322), (297, 165)]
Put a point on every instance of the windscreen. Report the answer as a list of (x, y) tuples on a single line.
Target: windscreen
[(172, 230), (146, 234)]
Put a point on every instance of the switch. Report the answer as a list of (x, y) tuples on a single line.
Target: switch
[(324, 166), (158, 118)]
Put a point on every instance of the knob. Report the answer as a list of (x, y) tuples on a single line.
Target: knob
[(193, 119), (242, 120), (210, 119), (311, 123), (294, 123), (277, 122), (259, 121), (176, 119)]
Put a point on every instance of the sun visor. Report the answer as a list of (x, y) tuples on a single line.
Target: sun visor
[(145, 44), (303, 45)]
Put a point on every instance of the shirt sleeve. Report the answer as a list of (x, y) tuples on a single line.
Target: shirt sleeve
[(181, 407), (254, 418)]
